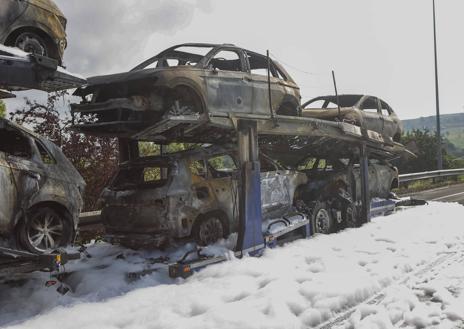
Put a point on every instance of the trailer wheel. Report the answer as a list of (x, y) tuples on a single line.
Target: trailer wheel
[(322, 219), (208, 230), (45, 230)]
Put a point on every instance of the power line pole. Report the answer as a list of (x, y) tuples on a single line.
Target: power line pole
[(437, 98)]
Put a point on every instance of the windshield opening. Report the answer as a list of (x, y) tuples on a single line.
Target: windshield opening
[(149, 176), (180, 56)]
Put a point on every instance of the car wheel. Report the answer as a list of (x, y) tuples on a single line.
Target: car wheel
[(208, 230), (288, 109), (322, 220), (183, 101), (45, 231), (32, 43), (351, 217)]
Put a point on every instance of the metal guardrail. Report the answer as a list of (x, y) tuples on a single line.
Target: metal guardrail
[(405, 178)]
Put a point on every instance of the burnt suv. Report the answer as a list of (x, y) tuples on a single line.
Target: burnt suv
[(35, 26), (188, 79), (40, 194), (189, 194)]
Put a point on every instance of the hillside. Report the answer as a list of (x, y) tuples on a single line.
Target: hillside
[(452, 126)]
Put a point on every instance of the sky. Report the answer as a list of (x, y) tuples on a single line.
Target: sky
[(376, 47)]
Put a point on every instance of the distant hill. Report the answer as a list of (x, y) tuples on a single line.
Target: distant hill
[(452, 126)]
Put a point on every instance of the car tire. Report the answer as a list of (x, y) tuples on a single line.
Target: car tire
[(45, 230), (351, 217), (288, 109), (183, 100), (322, 220), (31, 42), (208, 230)]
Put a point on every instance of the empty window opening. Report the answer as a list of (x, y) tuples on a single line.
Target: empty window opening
[(370, 105), (226, 60), (14, 143), (198, 170), (46, 157), (222, 166)]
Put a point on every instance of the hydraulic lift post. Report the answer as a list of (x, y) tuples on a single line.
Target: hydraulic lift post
[(250, 237), (365, 216)]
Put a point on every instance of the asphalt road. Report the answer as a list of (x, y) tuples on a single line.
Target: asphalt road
[(453, 193)]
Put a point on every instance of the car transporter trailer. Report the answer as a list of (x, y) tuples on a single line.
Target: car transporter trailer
[(22, 72)]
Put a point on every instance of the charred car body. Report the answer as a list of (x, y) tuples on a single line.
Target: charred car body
[(184, 80), (334, 187), (189, 194), (367, 112), (35, 26), (41, 192)]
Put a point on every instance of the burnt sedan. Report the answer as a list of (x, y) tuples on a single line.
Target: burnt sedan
[(367, 112), (40, 194), (189, 194), (35, 26), (189, 79)]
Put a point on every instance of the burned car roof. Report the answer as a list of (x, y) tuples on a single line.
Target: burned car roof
[(347, 100)]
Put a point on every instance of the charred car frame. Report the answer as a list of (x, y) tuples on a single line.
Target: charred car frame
[(35, 26), (41, 192), (188, 194), (189, 79), (367, 112)]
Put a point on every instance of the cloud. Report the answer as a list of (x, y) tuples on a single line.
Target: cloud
[(102, 34)]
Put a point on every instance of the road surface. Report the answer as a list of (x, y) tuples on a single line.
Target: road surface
[(453, 193)]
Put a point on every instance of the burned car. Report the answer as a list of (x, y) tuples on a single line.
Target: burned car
[(188, 79), (190, 194), (334, 186), (367, 112), (35, 26), (40, 194)]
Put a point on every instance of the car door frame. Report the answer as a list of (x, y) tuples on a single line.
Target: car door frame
[(8, 194), (371, 120), (227, 91), (260, 88), (388, 123)]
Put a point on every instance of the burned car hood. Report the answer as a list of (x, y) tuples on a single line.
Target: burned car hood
[(95, 82), (47, 5)]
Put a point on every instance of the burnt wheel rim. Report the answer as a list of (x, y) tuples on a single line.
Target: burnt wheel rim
[(31, 44), (350, 219), (210, 231), (45, 232), (322, 221)]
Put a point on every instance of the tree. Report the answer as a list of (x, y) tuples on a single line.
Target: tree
[(423, 144), (2, 109), (95, 158)]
